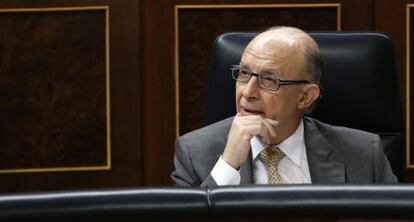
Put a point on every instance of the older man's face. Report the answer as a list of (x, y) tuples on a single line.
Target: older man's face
[(281, 57)]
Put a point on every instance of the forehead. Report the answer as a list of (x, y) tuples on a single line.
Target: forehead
[(281, 55)]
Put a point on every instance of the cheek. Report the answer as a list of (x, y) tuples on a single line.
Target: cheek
[(277, 106), (239, 93), (271, 105)]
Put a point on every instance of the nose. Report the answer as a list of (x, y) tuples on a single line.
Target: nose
[(251, 89)]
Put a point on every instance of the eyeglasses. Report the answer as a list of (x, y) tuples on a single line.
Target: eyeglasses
[(265, 81)]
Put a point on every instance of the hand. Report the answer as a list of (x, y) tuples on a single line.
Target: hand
[(242, 130)]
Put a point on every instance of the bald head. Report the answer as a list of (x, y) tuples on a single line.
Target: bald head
[(289, 44)]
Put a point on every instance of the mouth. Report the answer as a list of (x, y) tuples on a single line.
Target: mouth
[(248, 111)]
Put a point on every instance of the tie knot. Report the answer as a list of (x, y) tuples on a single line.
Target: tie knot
[(271, 155)]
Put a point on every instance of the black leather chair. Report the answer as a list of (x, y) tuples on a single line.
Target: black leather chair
[(133, 204), (241, 203), (359, 85)]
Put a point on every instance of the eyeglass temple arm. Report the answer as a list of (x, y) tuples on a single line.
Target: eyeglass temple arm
[(293, 82)]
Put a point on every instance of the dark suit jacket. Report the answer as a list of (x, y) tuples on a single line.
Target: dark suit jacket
[(335, 155)]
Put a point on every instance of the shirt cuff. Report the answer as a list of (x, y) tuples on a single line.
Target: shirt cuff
[(224, 174)]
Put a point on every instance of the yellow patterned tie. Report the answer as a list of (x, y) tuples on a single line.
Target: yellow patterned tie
[(271, 157)]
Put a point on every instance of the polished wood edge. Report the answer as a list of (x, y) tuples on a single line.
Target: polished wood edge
[(54, 9), (218, 6), (176, 73), (55, 169), (408, 90), (108, 87)]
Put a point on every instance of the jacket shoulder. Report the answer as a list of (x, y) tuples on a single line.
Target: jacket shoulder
[(207, 136), (339, 132), (197, 152)]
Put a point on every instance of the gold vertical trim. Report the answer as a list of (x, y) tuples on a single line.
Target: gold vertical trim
[(339, 18), (176, 71), (408, 90), (230, 6), (108, 88), (107, 82)]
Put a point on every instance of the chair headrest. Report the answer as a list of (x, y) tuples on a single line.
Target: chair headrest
[(359, 83)]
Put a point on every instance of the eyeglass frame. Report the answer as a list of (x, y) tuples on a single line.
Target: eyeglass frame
[(282, 82)]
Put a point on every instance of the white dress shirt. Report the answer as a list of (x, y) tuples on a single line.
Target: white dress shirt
[(293, 168)]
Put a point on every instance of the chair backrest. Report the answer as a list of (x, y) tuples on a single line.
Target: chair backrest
[(359, 85)]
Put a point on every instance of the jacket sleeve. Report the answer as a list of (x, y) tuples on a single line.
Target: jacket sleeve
[(184, 173), (382, 168)]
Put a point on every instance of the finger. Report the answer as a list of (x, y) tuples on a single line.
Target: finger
[(273, 122), (265, 141), (270, 128), (250, 120), (259, 122), (264, 134), (253, 130)]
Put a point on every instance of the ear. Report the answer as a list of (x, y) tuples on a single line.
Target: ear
[(310, 94)]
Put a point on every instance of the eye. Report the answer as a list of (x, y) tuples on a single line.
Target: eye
[(244, 73), (269, 79), (269, 82)]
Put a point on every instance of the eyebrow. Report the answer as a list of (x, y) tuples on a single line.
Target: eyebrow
[(275, 72)]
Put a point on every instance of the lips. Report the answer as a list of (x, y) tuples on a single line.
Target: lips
[(249, 111)]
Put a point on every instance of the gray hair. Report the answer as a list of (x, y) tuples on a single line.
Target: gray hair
[(313, 68)]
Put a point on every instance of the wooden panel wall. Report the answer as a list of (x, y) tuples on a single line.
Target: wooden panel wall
[(54, 92), (70, 95), (57, 110)]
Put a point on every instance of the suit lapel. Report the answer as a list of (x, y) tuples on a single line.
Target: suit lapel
[(320, 151), (246, 170)]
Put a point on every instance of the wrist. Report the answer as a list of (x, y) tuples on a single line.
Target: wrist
[(228, 158)]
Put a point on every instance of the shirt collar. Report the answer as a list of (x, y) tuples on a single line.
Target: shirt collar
[(293, 146)]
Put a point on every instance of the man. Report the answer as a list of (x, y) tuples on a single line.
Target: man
[(269, 141)]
